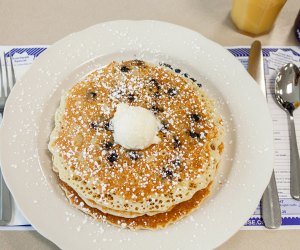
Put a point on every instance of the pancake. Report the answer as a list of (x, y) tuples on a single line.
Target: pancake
[(155, 222), (130, 183), (111, 211)]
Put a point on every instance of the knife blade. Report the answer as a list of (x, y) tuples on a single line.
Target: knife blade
[(256, 65), (270, 207)]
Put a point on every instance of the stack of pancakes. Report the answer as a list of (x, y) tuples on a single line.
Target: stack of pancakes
[(138, 189)]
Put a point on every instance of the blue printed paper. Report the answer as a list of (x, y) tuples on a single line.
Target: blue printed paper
[(274, 58)]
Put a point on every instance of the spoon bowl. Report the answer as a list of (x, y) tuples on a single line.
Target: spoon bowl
[(287, 87), (287, 95)]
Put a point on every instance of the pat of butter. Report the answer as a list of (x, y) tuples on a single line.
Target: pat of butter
[(135, 127)]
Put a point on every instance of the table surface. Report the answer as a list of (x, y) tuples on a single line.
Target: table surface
[(44, 22)]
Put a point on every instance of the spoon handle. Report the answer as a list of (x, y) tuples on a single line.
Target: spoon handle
[(295, 162)]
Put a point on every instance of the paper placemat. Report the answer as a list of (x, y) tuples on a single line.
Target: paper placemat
[(274, 58)]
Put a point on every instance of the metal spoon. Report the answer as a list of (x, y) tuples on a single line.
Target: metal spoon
[(287, 94)]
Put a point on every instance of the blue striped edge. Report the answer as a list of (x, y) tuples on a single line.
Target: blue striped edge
[(17, 228), (30, 51), (286, 221), (244, 52), (237, 52), (25, 225)]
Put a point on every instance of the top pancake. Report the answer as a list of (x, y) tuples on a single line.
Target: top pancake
[(142, 181)]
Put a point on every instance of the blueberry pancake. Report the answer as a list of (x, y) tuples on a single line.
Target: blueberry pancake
[(154, 222), (134, 139)]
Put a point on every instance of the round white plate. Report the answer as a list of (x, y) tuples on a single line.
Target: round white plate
[(28, 120)]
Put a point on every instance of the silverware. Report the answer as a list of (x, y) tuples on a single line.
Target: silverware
[(5, 196), (287, 94), (270, 207)]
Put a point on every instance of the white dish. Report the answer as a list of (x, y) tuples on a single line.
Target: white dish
[(246, 165)]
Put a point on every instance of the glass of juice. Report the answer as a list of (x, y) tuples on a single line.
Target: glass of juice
[(255, 17)]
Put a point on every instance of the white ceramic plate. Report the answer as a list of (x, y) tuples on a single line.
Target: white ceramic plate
[(247, 161)]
